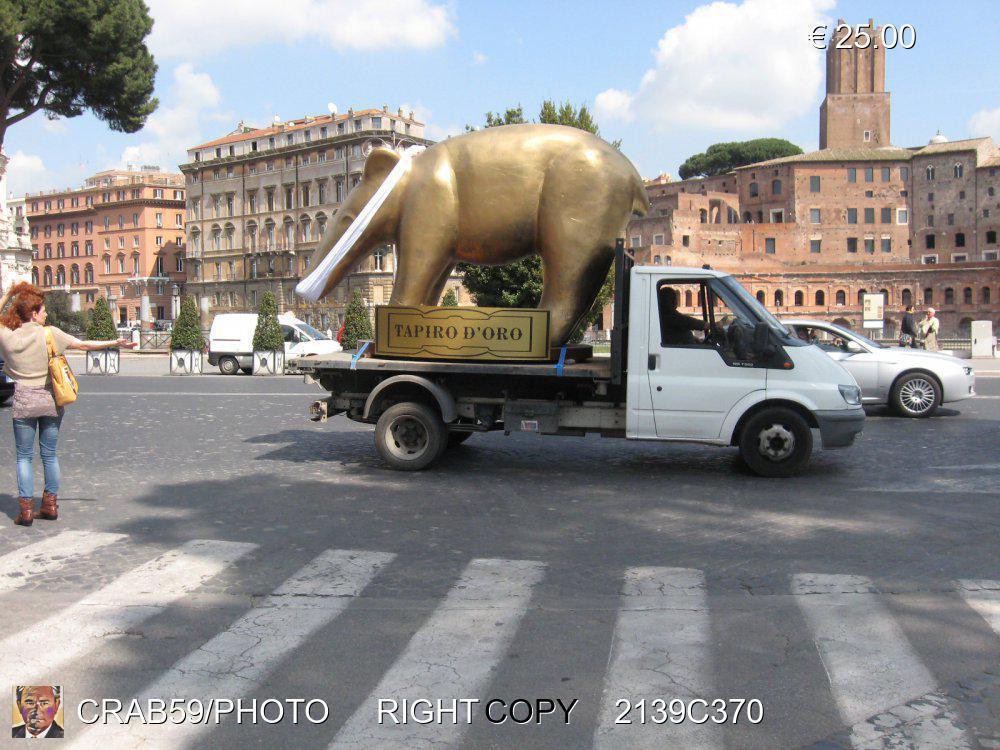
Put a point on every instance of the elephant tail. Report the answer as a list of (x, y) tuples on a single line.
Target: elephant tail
[(640, 200)]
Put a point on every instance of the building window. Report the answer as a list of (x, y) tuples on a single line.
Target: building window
[(769, 245), (991, 237), (852, 216), (799, 299), (885, 174), (869, 216), (685, 240), (930, 175), (775, 187), (815, 246), (960, 239), (852, 244), (753, 189), (777, 216), (958, 169), (904, 173), (814, 183), (929, 241), (902, 216), (703, 216), (869, 174), (929, 260), (779, 298), (761, 297), (959, 257), (852, 174), (886, 244), (930, 220), (869, 244), (984, 295), (814, 215), (868, 136), (841, 297), (657, 239), (886, 216), (949, 296)]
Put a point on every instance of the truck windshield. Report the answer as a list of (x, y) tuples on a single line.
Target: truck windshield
[(755, 306), (312, 332)]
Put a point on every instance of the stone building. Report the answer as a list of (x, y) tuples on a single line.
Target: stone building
[(812, 232), (15, 248), (119, 236), (260, 198)]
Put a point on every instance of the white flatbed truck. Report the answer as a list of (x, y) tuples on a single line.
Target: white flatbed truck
[(728, 375)]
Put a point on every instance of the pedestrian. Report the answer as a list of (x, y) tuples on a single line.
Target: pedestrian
[(908, 330), (929, 330), (24, 345)]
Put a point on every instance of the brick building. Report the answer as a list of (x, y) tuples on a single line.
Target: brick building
[(120, 236), (812, 232), (260, 198)]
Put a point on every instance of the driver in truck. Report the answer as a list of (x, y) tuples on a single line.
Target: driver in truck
[(675, 327)]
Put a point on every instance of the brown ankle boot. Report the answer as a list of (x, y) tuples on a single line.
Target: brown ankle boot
[(50, 509), (27, 514)]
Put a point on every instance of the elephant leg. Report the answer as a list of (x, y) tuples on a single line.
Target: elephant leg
[(570, 286), (434, 294)]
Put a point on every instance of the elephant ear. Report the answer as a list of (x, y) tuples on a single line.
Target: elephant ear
[(378, 165)]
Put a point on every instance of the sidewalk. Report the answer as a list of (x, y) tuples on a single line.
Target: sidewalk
[(985, 366)]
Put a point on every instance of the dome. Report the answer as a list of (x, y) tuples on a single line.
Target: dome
[(938, 138)]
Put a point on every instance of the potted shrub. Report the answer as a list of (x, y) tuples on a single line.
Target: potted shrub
[(102, 328), (268, 343), (450, 299), (357, 322), (186, 341)]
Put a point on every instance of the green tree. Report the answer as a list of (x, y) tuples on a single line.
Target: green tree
[(267, 336), (450, 299), (61, 315), (720, 158), (102, 325), (187, 327), (66, 57), (519, 284), (357, 323)]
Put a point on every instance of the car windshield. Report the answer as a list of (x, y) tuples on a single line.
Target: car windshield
[(754, 304), (854, 335), (313, 333)]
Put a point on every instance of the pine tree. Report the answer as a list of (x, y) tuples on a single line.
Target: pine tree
[(102, 325), (187, 327), (450, 299), (357, 323), (267, 336)]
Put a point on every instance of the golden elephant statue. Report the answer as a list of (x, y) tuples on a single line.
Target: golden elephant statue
[(491, 197)]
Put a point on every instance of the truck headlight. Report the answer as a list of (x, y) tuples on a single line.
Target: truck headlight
[(851, 394)]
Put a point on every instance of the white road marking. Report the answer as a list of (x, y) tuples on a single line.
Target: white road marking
[(871, 665), (451, 656), (660, 650), (235, 661), (19, 566), (113, 610), (984, 597)]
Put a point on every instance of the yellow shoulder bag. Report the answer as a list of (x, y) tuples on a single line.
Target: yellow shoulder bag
[(64, 385)]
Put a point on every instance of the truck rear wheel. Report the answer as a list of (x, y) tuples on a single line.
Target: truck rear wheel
[(776, 442), (410, 436), (229, 365)]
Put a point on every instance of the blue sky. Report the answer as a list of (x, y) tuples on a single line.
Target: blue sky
[(713, 72)]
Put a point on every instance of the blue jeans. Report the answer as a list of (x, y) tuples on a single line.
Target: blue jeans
[(24, 441)]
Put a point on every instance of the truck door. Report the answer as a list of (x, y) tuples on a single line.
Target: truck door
[(700, 362)]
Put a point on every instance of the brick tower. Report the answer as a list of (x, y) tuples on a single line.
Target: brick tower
[(855, 112)]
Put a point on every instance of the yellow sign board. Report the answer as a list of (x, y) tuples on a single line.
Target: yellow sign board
[(478, 333)]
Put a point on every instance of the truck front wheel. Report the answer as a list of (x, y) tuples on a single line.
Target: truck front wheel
[(410, 436), (229, 365), (776, 442)]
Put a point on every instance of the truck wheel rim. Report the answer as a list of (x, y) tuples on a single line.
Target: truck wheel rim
[(408, 438), (917, 395), (776, 442)]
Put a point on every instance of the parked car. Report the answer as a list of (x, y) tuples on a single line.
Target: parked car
[(913, 382), (230, 342), (6, 386)]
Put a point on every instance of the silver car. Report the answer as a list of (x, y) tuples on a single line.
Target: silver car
[(914, 382)]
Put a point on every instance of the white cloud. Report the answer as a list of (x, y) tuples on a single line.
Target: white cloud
[(176, 128), (748, 67), (54, 127), (194, 28), (27, 173), (478, 58), (986, 122)]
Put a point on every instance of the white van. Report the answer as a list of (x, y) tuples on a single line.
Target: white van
[(230, 342)]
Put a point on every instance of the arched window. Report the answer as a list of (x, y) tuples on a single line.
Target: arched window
[(688, 298), (799, 299), (229, 232), (289, 234), (949, 296), (88, 274), (703, 216), (775, 187), (47, 276), (747, 217), (841, 297), (761, 298), (216, 237), (885, 295), (930, 173), (34, 276), (60, 276), (269, 234), (907, 298), (984, 295), (967, 295), (753, 190), (306, 224), (195, 240), (958, 169), (779, 298), (820, 298), (656, 259), (861, 295), (928, 296), (252, 235), (74, 275), (965, 327)]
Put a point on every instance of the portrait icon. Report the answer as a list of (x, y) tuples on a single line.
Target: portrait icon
[(38, 712)]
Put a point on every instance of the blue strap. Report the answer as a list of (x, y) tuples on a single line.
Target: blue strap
[(356, 357), (561, 362)]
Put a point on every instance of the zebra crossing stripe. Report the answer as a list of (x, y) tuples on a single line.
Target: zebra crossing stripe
[(660, 650), (984, 597), (870, 663), (451, 656), (120, 606), (233, 662), (22, 564)]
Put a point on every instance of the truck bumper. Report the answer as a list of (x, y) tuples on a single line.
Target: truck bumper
[(839, 428)]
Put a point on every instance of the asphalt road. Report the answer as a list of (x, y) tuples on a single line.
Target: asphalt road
[(859, 603)]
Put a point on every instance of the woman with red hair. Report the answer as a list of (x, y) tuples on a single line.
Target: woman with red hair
[(26, 362)]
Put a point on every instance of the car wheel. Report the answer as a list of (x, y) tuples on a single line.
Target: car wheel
[(229, 366), (457, 438), (776, 442), (410, 436), (916, 395)]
